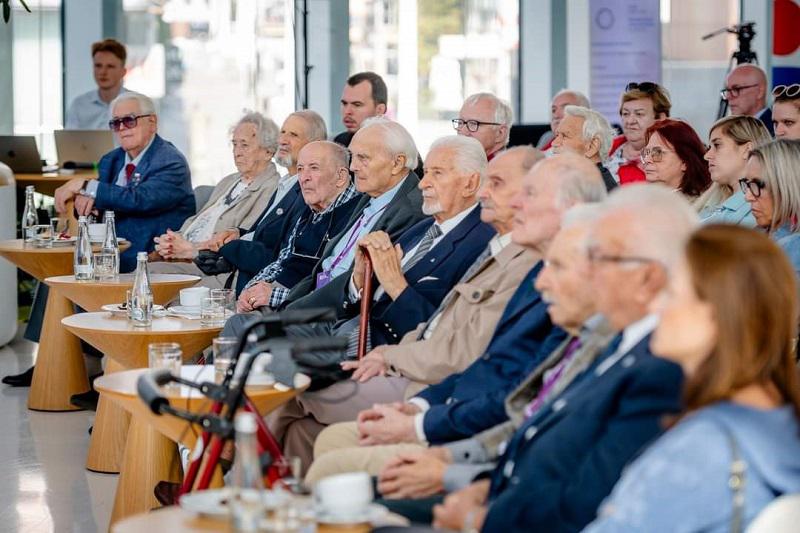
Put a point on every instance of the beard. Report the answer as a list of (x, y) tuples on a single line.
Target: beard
[(431, 207), (284, 160)]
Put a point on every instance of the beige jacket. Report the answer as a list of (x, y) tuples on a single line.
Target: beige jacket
[(465, 326), (243, 212)]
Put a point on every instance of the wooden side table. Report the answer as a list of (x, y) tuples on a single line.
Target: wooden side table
[(126, 348), (150, 452)]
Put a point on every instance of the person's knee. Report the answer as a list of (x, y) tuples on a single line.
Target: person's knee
[(238, 323), (335, 437)]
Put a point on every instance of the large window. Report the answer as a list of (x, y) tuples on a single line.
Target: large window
[(433, 54), (36, 59), (205, 62)]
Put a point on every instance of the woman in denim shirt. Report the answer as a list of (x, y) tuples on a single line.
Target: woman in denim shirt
[(772, 188), (730, 142), (729, 318)]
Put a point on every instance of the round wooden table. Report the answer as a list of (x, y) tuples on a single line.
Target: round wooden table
[(57, 348), (125, 346), (60, 373), (176, 520), (150, 454)]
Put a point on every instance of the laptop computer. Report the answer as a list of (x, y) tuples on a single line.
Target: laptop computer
[(83, 146), (21, 154)]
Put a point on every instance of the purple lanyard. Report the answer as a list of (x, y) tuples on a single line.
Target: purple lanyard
[(549, 383), (353, 237)]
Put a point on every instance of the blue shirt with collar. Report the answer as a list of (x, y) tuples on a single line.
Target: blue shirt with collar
[(789, 241), (89, 112), (734, 210)]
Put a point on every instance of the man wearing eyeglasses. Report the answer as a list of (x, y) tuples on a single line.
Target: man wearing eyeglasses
[(485, 117), (146, 181), (746, 93)]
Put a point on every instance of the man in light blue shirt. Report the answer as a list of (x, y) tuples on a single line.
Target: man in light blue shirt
[(89, 111)]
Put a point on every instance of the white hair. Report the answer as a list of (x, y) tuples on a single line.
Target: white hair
[(316, 130), (595, 125), (581, 98), (579, 180), (146, 105), (503, 114), (578, 214), (470, 157), (266, 130), (396, 139), (664, 220)]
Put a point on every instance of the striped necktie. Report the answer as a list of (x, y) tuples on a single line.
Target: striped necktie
[(424, 245)]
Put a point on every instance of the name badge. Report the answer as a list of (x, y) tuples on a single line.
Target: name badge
[(323, 278)]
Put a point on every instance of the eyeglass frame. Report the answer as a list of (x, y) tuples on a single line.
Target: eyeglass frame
[(120, 121), (650, 152), (746, 185), (781, 90), (458, 123), (644, 86), (735, 91)]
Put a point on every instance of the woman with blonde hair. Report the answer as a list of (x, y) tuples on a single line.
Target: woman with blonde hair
[(730, 141), (772, 187), (729, 319)]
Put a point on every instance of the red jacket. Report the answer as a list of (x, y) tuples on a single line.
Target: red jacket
[(628, 172)]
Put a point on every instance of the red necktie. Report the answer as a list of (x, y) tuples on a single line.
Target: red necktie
[(129, 168)]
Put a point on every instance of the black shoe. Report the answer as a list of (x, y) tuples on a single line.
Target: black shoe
[(20, 380), (85, 400)]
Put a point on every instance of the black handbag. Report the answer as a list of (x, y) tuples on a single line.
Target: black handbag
[(212, 263)]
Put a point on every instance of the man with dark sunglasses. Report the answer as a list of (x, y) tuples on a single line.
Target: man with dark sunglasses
[(146, 181), (746, 92)]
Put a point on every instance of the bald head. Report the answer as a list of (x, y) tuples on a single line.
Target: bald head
[(503, 184), (747, 90)]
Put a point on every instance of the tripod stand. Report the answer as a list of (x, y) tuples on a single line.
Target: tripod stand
[(745, 54)]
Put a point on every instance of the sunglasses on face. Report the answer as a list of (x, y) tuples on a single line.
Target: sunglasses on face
[(754, 186), (790, 91), (645, 87), (129, 121), (656, 154), (472, 125)]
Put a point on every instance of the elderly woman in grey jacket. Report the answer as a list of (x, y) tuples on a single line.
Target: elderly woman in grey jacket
[(236, 201)]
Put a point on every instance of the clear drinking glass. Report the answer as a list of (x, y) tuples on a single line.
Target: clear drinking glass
[(165, 355), (58, 226), (212, 311), (224, 349), (105, 266), (230, 300), (42, 235)]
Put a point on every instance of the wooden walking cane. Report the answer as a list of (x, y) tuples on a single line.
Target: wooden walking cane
[(366, 301)]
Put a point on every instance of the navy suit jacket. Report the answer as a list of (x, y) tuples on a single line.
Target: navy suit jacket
[(766, 118), (270, 233), (566, 458), (429, 280), (160, 199), (473, 400)]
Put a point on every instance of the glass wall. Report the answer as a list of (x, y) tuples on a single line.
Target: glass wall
[(205, 62), (36, 59), (444, 49)]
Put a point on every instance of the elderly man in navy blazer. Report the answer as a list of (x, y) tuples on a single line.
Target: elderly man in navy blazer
[(569, 453), (146, 181), (413, 275)]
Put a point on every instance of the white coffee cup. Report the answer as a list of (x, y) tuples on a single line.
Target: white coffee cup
[(344, 495), (192, 296), (97, 232)]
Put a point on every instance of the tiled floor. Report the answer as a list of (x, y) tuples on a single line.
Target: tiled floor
[(43, 483)]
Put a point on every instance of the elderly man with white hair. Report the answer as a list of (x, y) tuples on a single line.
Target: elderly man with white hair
[(414, 273), (587, 133), (383, 158), (146, 181), (562, 99), (487, 118)]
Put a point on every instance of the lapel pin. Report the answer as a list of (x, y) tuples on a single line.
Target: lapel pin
[(279, 211)]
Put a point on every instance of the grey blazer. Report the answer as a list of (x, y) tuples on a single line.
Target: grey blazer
[(244, 211)]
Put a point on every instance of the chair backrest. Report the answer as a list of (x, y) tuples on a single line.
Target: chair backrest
[(782, 515), (201, 195)]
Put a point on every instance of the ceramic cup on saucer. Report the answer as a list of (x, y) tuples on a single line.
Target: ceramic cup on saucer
[(344, 495), (193, 296)]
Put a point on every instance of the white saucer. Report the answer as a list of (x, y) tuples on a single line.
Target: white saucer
[(372, 513), (64, 242), (117, 309), (215, 503), (184, 311)]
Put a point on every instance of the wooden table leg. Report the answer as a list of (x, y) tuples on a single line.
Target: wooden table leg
[(149, 457), (60, 371), (109, 433)]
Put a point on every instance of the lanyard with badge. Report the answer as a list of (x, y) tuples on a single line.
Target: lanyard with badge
[(324, 277)]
